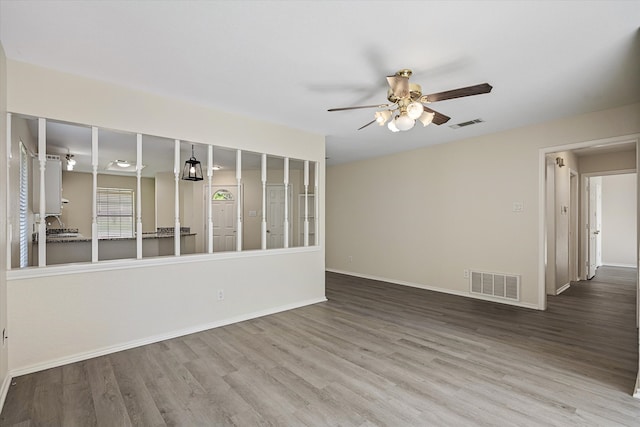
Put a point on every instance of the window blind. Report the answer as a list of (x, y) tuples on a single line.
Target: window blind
[(115, 214), (23, 202)]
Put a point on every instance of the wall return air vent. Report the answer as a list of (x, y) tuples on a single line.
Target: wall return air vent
[(464, 124), (497, 285)]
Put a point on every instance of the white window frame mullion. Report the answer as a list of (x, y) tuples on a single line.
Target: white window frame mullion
[(94, 207), (286, 203), (139, 197), (9, 226), (316, 205), (209, 196), (176, 174), (42, 224), (263, 228), (239, 201), (306, 203)]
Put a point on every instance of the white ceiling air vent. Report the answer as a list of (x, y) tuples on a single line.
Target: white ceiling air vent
[(469, 123)]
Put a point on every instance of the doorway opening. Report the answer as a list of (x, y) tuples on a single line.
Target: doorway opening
[(612, 220), (564, 228)]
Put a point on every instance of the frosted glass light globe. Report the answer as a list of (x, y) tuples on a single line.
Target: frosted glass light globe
[(382, 116), (414, 110), (426, 118), (404, 122), (392, 126)]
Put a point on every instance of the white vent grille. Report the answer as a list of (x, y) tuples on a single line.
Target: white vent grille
[(498, 285), (469, 123)]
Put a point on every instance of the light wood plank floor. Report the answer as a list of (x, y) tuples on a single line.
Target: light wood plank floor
[(374, 354)]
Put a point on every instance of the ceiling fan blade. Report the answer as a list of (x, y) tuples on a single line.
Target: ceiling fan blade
[(370, 123), (439, 118), (358, 107), (399, 85), (459, 93)]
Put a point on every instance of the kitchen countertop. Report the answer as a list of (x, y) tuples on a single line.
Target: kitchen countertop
[(72, 235), (81, 238)]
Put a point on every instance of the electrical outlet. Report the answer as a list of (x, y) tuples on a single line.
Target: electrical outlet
[(220, 294), (4, 337), (466, 274), (350, 258)]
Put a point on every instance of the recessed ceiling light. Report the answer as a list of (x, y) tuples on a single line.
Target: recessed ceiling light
[(122, 166)]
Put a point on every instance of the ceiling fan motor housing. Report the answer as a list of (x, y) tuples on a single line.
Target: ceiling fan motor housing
[(415, 93)]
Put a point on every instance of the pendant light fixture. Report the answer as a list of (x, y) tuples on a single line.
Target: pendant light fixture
[(192, 170)]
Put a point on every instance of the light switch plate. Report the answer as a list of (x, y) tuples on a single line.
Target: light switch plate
[(518, 207)]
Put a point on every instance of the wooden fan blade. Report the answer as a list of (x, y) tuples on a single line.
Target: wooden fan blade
[(358, 107), (439, 118), (459, 93), (371, 122), (399, 85)]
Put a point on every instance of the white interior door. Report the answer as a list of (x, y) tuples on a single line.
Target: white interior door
[(595, 203), (275, 216), (276, 195), (224, 205)]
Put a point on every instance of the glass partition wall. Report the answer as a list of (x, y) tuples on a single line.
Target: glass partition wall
[(109, 195)]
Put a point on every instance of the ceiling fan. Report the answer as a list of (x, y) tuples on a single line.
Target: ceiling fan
[(407, 103)]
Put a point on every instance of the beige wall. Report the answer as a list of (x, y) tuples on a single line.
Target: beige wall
[(422, 217), (65, 313), (4, 377), (165, 199), (594, 163), (619, 220), (31, 91)]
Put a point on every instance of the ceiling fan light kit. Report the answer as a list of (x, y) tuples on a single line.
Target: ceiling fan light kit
[(408, 101), (426, 118), (415, 110), (404, 122)]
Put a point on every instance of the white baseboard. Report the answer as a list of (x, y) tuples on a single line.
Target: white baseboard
[(437, 289), (563, 288), (156, 338), (613, 264), (6, 383)]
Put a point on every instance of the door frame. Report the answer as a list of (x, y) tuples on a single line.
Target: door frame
[(542, 205), (574, 226), (585, 209), (590, 194)]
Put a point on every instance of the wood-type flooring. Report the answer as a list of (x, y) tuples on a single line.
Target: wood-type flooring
[(374, 354)]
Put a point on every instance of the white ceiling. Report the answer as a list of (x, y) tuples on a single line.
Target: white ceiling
[(288, 62)]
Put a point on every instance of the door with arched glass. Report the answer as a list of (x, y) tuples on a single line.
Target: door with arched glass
[(224, 210)]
